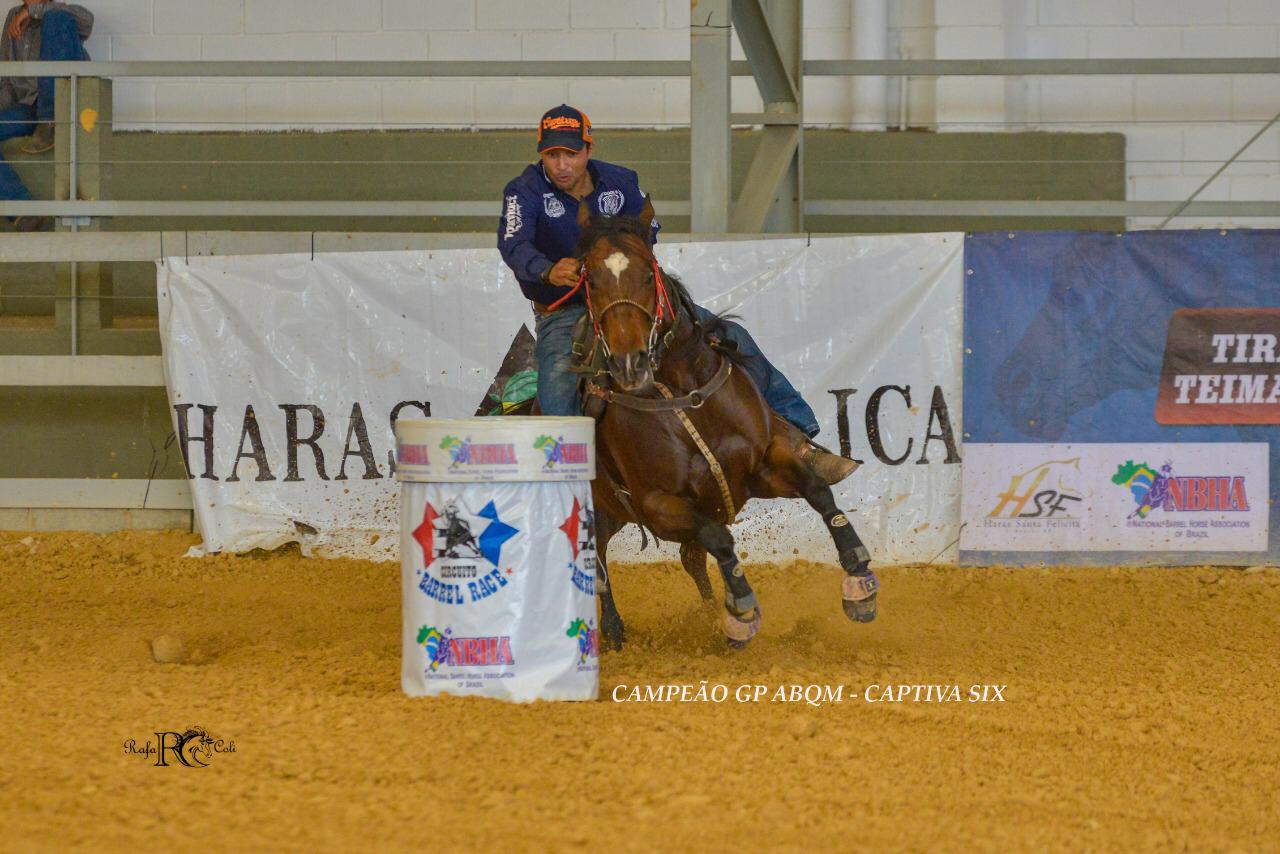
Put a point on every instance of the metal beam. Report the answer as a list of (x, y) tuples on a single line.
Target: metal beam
[(351, 68), (773, 159), (765, 118), (844, 207), (94, 493), (644, 68), (335, 208), (1028, 67), (153, 245), (772, 75), (771, 32), (140, 371), (709, 185), (1223, 168)]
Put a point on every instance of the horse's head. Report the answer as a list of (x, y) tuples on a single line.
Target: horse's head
[(629, 303)]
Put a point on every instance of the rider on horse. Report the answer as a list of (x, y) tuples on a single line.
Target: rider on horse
[(537, 235)]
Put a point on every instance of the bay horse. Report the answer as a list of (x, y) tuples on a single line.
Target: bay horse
[(685, 437)]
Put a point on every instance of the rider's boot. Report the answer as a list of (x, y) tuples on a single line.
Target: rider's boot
[(831, 467)]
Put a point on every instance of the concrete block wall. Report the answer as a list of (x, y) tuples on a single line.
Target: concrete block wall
[(1178, 128), (447, 30)]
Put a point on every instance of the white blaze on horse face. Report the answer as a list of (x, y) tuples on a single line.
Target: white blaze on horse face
[(617, 262)]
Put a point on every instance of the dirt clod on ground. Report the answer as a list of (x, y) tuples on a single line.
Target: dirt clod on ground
[(1139, 712)]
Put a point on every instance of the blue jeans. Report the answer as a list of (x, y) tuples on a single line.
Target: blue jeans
[(14, 122), (558, 386), (59, 41)]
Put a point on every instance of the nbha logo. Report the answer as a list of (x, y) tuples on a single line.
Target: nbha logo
[(1164, 490), (442, 648), (465, 452), (557, 450)]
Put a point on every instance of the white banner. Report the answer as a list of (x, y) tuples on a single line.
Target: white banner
[(286, 372), (1116, 497)]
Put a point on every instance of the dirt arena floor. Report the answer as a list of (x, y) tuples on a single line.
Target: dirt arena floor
[(1140, 712)]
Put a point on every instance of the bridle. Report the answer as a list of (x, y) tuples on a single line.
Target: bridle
[(663, 307)]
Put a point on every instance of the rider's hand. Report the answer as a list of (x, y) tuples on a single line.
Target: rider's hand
[(564, 273), (19, 23)]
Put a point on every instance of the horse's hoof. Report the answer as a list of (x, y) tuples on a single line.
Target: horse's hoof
[(858, 595), (739, 632)]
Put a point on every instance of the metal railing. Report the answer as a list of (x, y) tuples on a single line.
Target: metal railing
[(898, 68)]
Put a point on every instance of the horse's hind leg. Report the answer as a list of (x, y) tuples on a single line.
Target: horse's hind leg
[(612, 632), (788, 474), (693, 558), (674, 518)]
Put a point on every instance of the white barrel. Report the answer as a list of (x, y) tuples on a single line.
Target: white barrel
[(498, 557)]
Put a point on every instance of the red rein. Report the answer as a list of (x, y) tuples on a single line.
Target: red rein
[(662, 299)]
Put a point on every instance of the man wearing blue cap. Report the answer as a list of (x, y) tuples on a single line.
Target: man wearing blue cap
[(537, 235)]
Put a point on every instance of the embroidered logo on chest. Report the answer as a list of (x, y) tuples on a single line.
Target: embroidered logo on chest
[(553, 206), (610, 202)]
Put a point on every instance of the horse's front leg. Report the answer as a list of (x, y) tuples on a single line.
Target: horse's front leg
[(675, 518), (785, 474), (612, 631)]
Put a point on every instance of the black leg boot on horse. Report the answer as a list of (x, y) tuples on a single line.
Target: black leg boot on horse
[(742, 610), (786, 473), (858, 592)]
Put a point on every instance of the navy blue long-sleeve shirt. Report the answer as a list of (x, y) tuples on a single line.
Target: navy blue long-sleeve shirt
[(539, 222)]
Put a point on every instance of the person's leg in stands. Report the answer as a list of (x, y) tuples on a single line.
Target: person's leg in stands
[(14, 122), (59, 42)]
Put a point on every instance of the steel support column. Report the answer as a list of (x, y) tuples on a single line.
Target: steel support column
[(709, 116), (772, 198)]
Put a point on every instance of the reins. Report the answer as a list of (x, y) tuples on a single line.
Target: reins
[(662, 307)]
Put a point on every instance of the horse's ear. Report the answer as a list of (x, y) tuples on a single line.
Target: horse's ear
[(584, 214), (646, 212)]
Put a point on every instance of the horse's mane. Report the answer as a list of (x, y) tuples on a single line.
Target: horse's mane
[(613, 227)]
